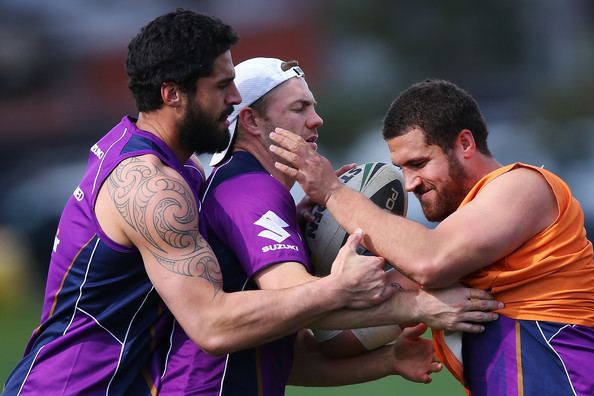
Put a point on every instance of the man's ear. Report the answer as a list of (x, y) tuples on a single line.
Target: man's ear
[(171, 94), (248, 118), (465, 143)]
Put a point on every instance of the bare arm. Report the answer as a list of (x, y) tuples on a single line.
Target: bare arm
[(150, 206), (507, 212), (455, 308), (411, 357)]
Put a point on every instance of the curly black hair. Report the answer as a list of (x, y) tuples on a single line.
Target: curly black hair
[(441, 109), (177, 47)]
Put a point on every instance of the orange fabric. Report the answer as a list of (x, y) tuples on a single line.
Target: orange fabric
[(446, 356), (549, 278)]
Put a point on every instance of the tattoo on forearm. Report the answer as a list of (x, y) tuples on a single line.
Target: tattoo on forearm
[(163, 211)]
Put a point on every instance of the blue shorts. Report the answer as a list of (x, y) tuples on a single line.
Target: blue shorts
[(529, 358)]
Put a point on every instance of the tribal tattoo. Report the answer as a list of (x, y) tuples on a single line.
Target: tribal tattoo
[(162, 209)]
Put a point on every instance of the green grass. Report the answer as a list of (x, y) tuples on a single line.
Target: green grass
[(17, 324), (443, 384)]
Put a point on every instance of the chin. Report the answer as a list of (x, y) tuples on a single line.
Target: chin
[(432, 216)]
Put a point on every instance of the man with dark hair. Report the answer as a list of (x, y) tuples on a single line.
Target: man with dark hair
[(513, 230), (250, 220), (128, 250)]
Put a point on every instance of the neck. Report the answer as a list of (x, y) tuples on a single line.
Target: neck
[(158, 124), (483, 166), (257, 149)]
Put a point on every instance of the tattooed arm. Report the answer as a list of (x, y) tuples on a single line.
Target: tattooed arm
[(149, 205)]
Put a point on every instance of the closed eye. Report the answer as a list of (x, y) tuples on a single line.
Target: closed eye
[(415, 164), (225, 83), (298, 108)]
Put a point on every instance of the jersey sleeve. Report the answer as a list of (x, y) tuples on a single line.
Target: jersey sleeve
[(254, 215)]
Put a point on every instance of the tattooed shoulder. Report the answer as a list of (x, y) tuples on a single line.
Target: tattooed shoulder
[(158, 204)]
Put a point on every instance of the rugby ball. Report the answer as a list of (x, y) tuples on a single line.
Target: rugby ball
[(381, 183)]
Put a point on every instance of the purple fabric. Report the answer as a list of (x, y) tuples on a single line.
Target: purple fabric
[(234, 210), (529, 358), (575, 346), (249, 219), (103, 327)]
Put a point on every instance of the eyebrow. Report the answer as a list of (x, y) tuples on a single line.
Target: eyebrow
[(226, 80), (413, 160), (304, 101)]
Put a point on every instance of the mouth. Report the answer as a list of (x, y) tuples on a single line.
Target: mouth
[(421, 192), (312, 141), (226, 114)]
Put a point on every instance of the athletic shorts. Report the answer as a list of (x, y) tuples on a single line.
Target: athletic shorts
[(529, 358)]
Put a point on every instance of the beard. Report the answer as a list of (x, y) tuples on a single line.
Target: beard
[(449, 196), (200, 132)]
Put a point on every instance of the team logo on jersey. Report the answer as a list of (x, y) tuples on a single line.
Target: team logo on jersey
[(275, 230), (97, 151), (279, 246), (274, 227), (56, 241), (79, 194)]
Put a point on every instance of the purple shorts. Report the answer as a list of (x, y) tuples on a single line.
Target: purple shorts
[(529, 358)]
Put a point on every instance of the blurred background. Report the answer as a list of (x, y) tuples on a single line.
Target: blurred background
[(529, 64)]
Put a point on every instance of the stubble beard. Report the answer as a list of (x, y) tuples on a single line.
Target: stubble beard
[(450, 195)]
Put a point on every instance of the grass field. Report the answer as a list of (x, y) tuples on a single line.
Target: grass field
[(443, 384), (17, 323)]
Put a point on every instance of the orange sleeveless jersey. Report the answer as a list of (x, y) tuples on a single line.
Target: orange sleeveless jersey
[(549, 278)]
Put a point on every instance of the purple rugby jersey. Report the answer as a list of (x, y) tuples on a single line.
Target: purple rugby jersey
[(249, 219), (104, 329)]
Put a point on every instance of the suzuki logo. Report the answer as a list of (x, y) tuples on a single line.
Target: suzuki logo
[(274, 227)]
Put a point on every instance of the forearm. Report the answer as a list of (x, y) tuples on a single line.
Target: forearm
[(312, 368), (257, 317), (399, 309), (402, 242)]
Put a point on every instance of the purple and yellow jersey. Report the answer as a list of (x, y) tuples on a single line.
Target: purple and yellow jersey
[(250, 221), (103, 326)]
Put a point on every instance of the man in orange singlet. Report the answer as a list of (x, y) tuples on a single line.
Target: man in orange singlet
[(513, 230)]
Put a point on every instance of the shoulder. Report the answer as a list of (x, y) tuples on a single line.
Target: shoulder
[(145, 167), (139, 194), (246, 197), (244, 176), (145, 181), (254, 188), (524, 191), (521, 181), (146, 198)]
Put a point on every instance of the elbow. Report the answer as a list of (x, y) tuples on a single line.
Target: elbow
[(428, 280), (214, 345), (212, 342), (433, 275)]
